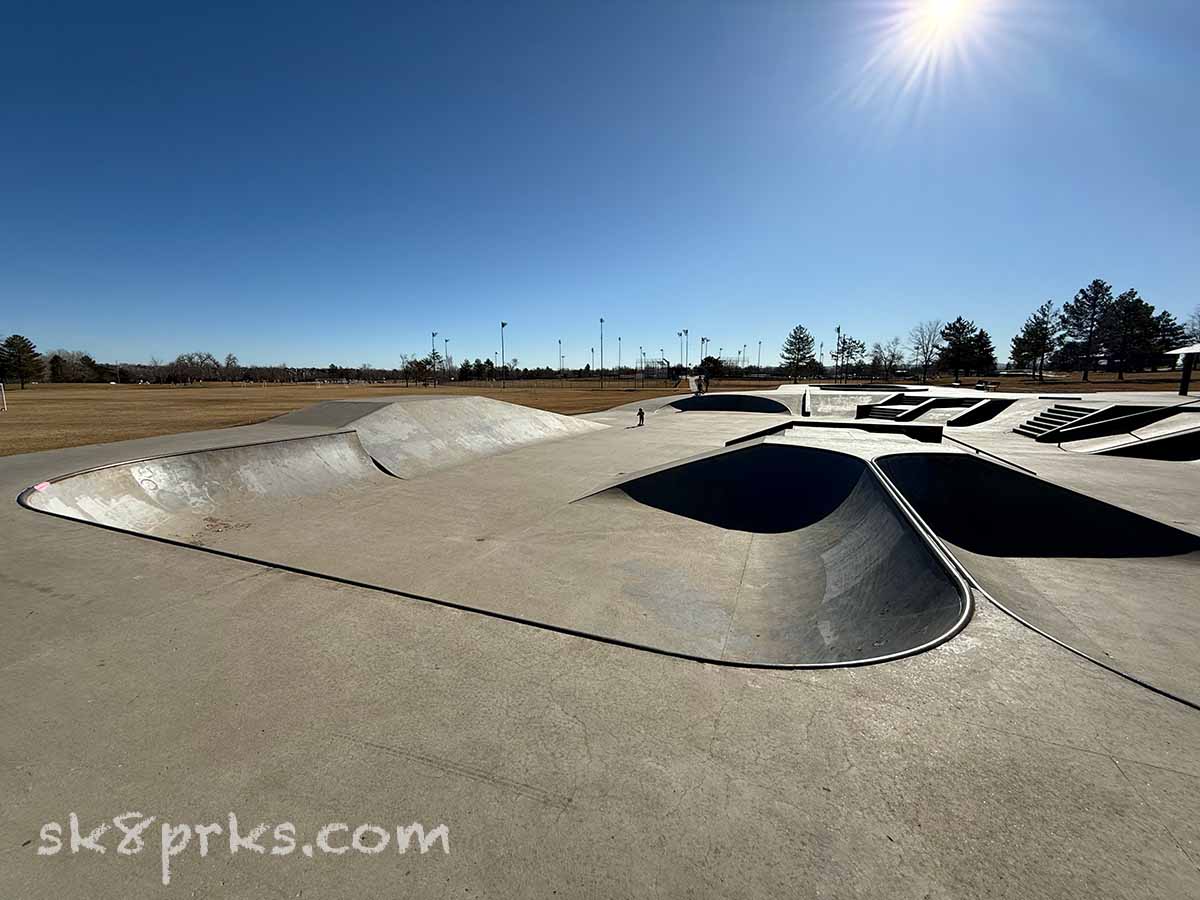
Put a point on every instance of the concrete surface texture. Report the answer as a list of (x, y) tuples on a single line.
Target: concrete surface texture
[(147, 675)]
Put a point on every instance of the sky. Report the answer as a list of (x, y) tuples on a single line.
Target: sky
[(313, 182)]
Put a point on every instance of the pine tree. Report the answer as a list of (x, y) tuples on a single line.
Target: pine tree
[(1127, 330), (797, 352), (1168, 335), (983, 353), (19, 359), (1082, 317), (1038, 338), (959, 351)]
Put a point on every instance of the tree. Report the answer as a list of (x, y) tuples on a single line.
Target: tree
[(56, 368), (886, 358), (797, 352), (1037, 339), (233, 369), (961, 349), (712, 367), (847, 351), (983, 353), (1082, 318), (465, 371), (19, 359), (925, 340), (1193, 325), (433, 365), (1127, 331), (1168, 335)]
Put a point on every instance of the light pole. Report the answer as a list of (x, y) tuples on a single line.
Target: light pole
[(560, 356), (687, 349), (593, 360), (618, 358), (446, 357), (679, 334), (433, 355), (503, 364), (663, 359), (602, 353), (760, 357)]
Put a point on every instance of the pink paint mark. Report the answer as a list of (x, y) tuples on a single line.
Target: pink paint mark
[(42, 486)]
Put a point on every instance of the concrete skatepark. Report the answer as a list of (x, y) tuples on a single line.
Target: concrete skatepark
[(805, 642)]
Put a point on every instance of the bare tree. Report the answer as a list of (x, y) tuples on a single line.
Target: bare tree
[(925, 340)]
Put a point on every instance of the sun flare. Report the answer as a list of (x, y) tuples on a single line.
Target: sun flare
[(919, 49), (943, 17)]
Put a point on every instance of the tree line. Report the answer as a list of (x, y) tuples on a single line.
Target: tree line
[(1125, 331), (960, 347)]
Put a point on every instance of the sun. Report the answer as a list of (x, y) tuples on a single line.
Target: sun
[(937, 20), (919, 50)]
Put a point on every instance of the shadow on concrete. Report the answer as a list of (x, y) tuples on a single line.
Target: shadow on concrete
[(1181, 447), (992, 510), (730, 403), (765, 488)]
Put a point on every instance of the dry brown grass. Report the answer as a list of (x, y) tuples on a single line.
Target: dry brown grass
[(49, 416)]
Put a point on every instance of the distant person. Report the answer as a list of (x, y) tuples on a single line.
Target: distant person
[(641, 417)]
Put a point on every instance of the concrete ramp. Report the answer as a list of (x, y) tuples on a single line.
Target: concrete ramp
[(732, 402), (187, 494), (410, 436), (831, 571), (1175, 438), (1119, 586)]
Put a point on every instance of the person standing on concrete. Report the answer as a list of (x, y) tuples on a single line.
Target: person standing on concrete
[(641, 417)]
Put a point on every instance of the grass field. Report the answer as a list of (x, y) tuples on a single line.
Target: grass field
[(49, 416)]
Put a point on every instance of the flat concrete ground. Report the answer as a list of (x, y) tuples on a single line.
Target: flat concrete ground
[(143, 676)]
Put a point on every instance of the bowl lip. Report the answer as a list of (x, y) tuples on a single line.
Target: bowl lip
[(923, 533)]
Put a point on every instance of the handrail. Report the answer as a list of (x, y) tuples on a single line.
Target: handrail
[(979, 450), (1118, 424)]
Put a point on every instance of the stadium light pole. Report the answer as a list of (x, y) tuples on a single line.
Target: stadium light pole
[(687, 349), (593, 360), (618, 357), (433, 353), (560, 356), (602, 353), (503, 364), (446, 356)]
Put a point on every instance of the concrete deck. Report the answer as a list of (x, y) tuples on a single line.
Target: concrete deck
[(140, 674)]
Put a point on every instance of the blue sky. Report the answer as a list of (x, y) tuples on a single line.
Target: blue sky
[(315, 183)]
